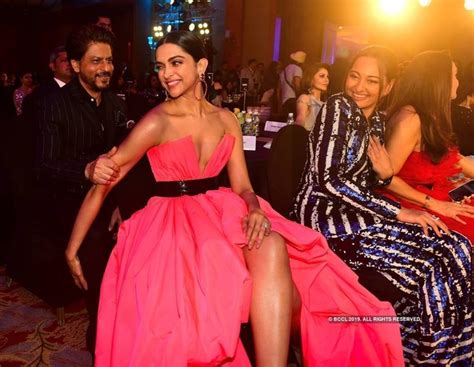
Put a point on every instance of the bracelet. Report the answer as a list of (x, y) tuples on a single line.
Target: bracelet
[(427, 200), (385, 182)]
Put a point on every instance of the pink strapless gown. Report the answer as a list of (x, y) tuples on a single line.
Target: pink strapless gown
[(433, 179), (176, 288)]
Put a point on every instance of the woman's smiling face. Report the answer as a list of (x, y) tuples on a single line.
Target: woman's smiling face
[(177, 70), (363, 84)]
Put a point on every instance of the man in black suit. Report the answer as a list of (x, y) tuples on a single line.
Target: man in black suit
[(61, 75), (61, 68), (76, 125)]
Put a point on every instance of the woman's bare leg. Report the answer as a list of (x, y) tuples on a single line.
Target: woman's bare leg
[(272, 298)]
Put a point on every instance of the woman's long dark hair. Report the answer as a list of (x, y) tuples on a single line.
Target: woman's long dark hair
[(188, 41), (309, 74), (425, 84)]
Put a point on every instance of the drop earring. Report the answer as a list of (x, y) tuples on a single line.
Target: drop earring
[(204, 88), (203, 81)]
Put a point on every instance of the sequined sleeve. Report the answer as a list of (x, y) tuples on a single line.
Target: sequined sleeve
[(337, 144)]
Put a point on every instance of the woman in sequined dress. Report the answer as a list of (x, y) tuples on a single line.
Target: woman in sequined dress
[(337, 196)]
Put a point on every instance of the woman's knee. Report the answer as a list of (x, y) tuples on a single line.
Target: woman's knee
[(271, 254), (274, 248)]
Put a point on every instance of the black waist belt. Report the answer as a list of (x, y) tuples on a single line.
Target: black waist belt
[(191, 187)]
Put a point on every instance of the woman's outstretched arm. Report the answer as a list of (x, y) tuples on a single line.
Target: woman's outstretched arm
[(144, 136), (404, 137)]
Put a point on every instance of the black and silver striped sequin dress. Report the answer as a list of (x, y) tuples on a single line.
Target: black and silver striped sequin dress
[(336, 197)]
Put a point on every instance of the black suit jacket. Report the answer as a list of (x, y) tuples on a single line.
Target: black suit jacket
[(71, 134), (30, 103), (28, 125)]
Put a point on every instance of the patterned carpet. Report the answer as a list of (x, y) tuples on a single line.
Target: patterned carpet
[(31, 336)]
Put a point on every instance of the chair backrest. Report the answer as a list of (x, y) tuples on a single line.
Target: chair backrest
[(285, 166)]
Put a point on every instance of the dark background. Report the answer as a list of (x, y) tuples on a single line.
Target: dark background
[(30, 29)]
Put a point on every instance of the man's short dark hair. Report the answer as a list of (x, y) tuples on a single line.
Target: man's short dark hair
[(251, 61), (55, 53), (80, 39)]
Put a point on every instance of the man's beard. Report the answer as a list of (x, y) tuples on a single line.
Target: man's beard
[(91, 82)]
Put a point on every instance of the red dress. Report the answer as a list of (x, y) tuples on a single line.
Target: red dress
[(434, 180), (176, 288)]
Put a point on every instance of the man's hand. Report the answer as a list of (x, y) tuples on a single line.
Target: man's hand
[(103, 171)]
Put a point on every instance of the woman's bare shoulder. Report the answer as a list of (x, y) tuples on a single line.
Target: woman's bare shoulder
[(405, 123), (229, 120), (156, 120), (406, 118), (304, 98)]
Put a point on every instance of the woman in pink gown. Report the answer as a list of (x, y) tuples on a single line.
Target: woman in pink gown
[(421, 143), (199, 260)]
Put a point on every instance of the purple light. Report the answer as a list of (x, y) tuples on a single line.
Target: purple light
[(276, 39)]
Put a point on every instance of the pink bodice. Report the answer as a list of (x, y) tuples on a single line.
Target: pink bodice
[(177, 159)]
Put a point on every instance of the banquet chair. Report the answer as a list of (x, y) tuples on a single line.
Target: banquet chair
[(285, 166)]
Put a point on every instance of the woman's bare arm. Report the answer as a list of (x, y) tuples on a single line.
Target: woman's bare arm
[(302, 109), (143, 137), (467, 166), (404, 136), (236, 167), (255, 225)]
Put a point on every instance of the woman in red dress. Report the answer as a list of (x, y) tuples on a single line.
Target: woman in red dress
[(421, 143)]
